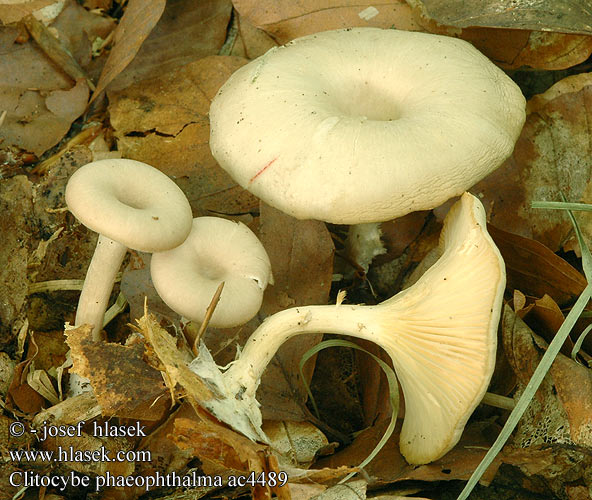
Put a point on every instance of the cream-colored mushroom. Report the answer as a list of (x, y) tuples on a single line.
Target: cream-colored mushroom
[(216, 250), (365, 124), (131, 205), (440, 334)]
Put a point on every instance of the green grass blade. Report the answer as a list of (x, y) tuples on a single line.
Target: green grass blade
[(547, 359), (563, 205), (578, 345), (560, 205), (531, 388)]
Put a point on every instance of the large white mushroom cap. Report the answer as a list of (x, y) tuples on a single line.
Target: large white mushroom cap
[(217, 250), (364, 124)]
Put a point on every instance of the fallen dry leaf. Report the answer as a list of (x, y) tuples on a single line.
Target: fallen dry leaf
[(552, 154), (352, 490), (164, 122), (389, 466), (535, 269), (295, 443), (15, 205), (124, 384), (78, 30), (226, 452), (137, 22), (514, 48), (186, 31), (12, 12), (21, 395), (552, 15), (54, 49), (30, 124), (560, 412), (252, 41), (301, 255), (553, 468), (286, 19), (39, 97), (173, 361)]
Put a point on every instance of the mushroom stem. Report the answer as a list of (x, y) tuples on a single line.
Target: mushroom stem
[(245, 373), (440, 335), (98, 284)]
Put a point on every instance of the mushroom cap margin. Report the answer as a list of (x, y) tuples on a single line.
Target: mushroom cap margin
[(130, 202)]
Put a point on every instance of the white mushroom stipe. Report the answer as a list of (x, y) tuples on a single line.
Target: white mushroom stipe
[(217, 250), (440, 333), (364, 124), (131, 205)]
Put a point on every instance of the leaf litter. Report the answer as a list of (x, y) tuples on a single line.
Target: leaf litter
[(160, 66)]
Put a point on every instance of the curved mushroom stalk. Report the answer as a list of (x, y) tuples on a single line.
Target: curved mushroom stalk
[(440, 333)]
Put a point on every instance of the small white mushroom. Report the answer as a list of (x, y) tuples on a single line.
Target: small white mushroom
[(217, 250), (131, 205), (440, 334)]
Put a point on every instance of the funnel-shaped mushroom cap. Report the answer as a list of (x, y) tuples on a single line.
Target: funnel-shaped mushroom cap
[(443, 333), (130, 202), (440, 333), (365, 125), (217, 250)]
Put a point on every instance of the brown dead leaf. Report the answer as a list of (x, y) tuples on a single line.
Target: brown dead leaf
[(124, 384), (561, 412), (14, 12), (166, 455), (510, 48), (55, 50), (52, 349), (553, 154), (164, 122), (218, 444), (535, 269), (286, 19), (187, 31), (70, 411), (37, 95), (20, 394), (558, 15), (252, 42), (296, 444), (79, 29), (545, 318), (514, 48), (389, 466), (225, 452), (301, 255), (26, 77), (551, 467), (137, 22), (174, 361), (15, 227), (68, 104)]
